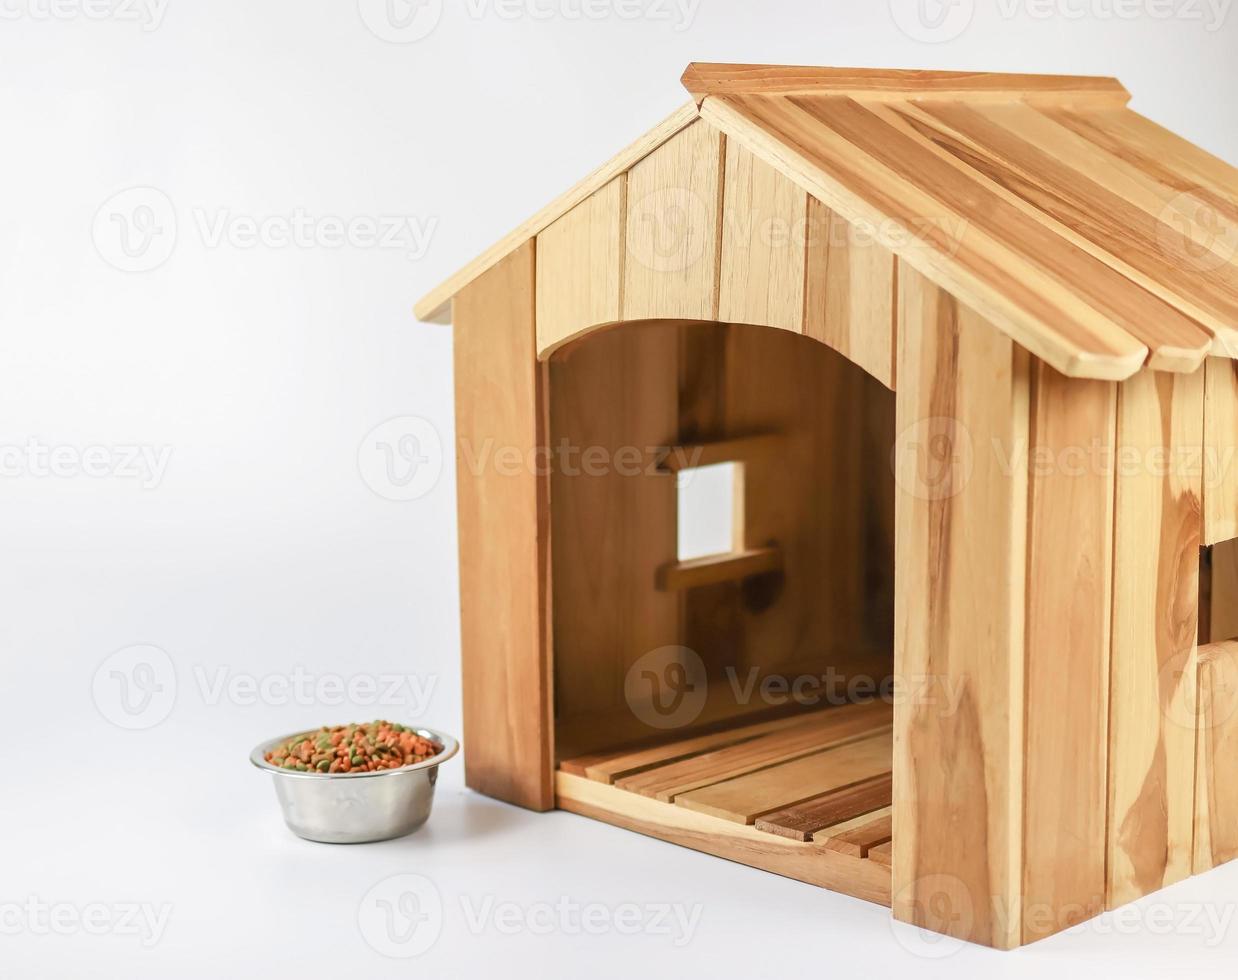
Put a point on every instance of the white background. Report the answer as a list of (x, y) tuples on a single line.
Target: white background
[(262, 551)]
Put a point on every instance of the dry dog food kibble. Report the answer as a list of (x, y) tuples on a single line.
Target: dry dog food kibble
[(354, 748)]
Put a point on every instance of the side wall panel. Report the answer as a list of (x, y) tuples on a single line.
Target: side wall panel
[(504, 538), (1155, 618), (1069, 606), (960, 568)]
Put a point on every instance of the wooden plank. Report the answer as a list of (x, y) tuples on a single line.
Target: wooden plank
[(1109, 209), (607, 765), (883, 854), (818, 731), (1010, 288), (1216, 797), (672, 236), (1165, 156), (851, 292), (801, 821), (580, 268), (613, 525), (504, 541), (712, 569), (744, 798), (763, 235), (435, 306), (1069, 608), (1220, 450), (961, 559), (859, 840), (1155, 617), (1222, 608), (704, 79), (744, 449), (811, 863), (1176, 341)]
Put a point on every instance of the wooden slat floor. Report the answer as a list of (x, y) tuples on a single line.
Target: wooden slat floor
[(822, 778)]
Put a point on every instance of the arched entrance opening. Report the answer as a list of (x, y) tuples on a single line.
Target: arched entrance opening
[(650, 648)]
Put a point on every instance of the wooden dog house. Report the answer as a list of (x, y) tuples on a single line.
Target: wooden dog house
[(969, 341)]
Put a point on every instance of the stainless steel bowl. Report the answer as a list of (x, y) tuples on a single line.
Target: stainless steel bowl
[(356, 807)]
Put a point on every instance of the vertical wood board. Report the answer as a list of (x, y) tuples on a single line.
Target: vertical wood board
[(1155, 617), (763, 244), (958, 765), (673, 241), (580, 268), (503, 539), (1069, 608)]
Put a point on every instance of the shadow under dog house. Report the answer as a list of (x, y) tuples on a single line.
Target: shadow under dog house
[(967, 341)]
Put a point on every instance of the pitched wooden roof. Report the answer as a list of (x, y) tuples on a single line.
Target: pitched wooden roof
[(1093, 237)]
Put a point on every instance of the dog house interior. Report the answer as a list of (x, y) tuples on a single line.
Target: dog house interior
[(847, 488), (676, 670)]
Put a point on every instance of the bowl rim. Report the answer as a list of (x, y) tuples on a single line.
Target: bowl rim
[(449, 744)]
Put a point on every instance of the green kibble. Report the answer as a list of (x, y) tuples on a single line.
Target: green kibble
[(324, 765), (356, 760)]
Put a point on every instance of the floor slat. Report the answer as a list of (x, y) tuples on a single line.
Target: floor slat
[(801, 821)]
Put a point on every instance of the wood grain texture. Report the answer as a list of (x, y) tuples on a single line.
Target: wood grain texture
[(607, 766), (883, 854), (869, 832), (850, 303), (801, 821), (763, 244), (580, 268), (1175, 340), (614, 523), (702, 79), (1216, 796), (1155, 618), (811, 863), (435, 306), (1220, 450), (815, 733), (1162, 155), (1108, 208), (1069, 606), (504, 540), (961, 560), (673, 234), (760, 450), (871, 174), (696, 573), (1221, 609), (744, 798)]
